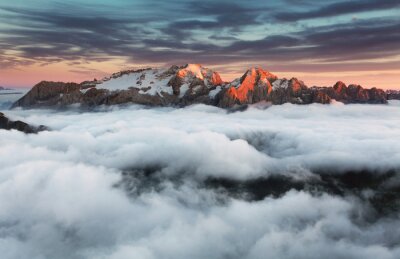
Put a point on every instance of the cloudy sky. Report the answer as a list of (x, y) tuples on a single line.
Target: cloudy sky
[(354, 41)]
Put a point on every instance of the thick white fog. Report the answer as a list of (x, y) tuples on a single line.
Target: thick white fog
[(75, 191)]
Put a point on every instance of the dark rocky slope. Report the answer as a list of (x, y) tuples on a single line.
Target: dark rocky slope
[(393, 94), (7, 124)]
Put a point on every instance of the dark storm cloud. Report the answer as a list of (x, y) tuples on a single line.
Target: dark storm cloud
[(229, 14), (268, 43), (369, 41), (339, 8), (206, 32), (330, 42), (46, 34), (219, 15), (343, 42)]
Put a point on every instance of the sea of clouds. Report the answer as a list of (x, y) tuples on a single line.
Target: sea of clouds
[(9, 96), (130, 182)]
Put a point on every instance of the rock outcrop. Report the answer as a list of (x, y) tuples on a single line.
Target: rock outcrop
[(258, 85), (189, 84), (7, 124), (46, 94), (254, 86), (355, 94), (192, 82), (291, 91), (393, 94)]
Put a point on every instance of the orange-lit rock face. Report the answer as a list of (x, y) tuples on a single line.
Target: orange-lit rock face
[(193, 78), (340, 87), (296, 85), (216, 79), (253, 77), (202, 73), (192, 70)]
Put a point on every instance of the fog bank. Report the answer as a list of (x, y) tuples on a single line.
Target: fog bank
[(132, 182)]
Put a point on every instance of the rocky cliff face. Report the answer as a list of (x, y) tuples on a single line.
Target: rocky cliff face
[(296, 92), (189, 84), (393, 94), (254, 86), (7, 124), (47, 94), (355, 94), (259, 85), (192, 83)]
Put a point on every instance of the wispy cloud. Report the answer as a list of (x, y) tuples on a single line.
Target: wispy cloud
[(337, 8), (210, 32)]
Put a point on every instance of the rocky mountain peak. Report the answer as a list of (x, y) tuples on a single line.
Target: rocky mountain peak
[(253, 86), (192, 75), (340, 86), (190, 71), (257, 72), (296, 84)]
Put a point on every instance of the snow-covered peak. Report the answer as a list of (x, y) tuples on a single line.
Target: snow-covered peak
[(294, 84), (280, 83), (195, 70), (149, 81), (159, 81), (194, 74), (190, 71)]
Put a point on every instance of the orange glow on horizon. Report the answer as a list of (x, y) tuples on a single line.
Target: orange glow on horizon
[(30, 75)]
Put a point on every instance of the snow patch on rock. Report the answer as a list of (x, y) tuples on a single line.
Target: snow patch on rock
[(215, 91), (280, 83), (150, 82)]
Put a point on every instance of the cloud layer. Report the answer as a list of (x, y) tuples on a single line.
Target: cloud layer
[(128, 182)]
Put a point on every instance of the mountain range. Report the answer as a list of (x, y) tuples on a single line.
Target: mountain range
[(190, 84)]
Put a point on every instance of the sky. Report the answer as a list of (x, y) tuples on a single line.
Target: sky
[(320, 43)]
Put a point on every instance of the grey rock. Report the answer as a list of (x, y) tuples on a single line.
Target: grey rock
[(393, 94), (7, 124)]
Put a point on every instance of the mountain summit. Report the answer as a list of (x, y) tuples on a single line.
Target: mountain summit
[(254, 86), (189, 84)]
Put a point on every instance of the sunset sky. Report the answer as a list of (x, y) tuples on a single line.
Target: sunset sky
[(319, 42)]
